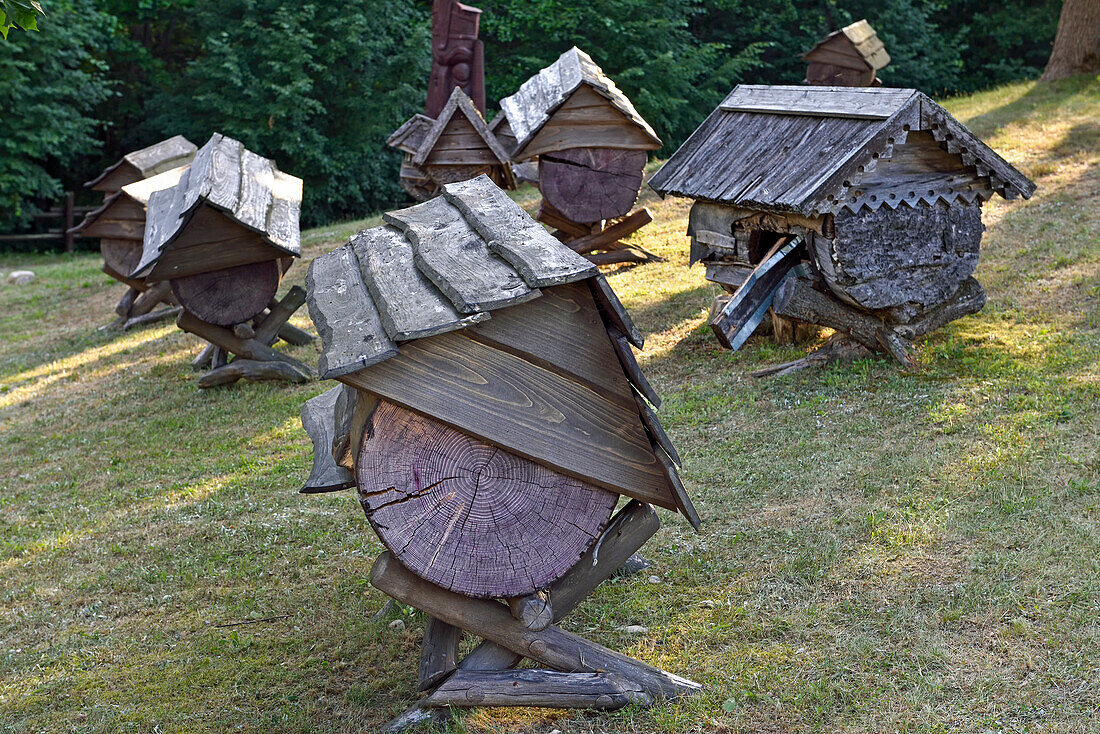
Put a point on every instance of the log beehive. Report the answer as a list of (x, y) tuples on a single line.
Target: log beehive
[(158, 158), (850, 57), (881, 188), (591, 146), (490, 415)]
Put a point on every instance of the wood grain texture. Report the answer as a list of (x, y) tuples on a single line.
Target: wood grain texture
[(122, 256), (614, 312), (563, 332), (552, 646), (606, 238), (468, 516), (523, 408), (438, 653), (319, 419), (457, 260), (627, 532), (541, 688), (589, 184), (410, 305), (630, 366), (345, 315), (738, 319), (514, 236), (230, 296), (255, 371)]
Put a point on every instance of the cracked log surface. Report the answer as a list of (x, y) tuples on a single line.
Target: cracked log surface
[(917, 256), (229, 296), (468, 516), (590, 184)]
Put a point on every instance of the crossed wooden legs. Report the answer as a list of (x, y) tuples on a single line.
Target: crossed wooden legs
[(251, 345), (585, 239), (579, 674), (137, 306)]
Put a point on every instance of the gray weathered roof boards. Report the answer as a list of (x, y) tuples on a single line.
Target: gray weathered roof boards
[(411, 134), (139, 191), (807, 150), (537, 99), (157, 158), (249, 189), (435, 267), (863, 39)]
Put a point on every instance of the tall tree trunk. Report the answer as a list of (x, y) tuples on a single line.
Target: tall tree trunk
[(1077, 44)]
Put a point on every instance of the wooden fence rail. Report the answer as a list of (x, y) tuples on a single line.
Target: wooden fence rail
[(67, 212)]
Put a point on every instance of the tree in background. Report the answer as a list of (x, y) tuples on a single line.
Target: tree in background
[(1077, 44), (50, 85), (316, 89)]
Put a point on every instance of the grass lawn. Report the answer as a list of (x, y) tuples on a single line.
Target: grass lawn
[(881, 551)]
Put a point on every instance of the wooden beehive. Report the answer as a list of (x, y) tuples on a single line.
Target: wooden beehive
[(850, 57), (222, 237), (491, 414), (455, 146), (878, 191), (158, 158), (591, 145)]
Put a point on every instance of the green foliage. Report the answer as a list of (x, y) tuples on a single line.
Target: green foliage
[(49, 86), (21, 14), (319, 88), (316, 90)]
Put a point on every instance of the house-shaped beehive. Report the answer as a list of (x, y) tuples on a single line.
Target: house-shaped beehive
[(882, 188), (218, 234), (850, 57), (456, 146), (491, 413), (163, 156), (591, 146), (502, 389), (120, 223)]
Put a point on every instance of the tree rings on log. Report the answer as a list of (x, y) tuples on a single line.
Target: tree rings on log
[(591, 184), (468, 516), (229, 296)]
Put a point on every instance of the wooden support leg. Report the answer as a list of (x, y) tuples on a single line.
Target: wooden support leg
[(628, 531), (127, 303), (254, 357), (553, 646), (148, 300), (439, 653), (268, 329), (151, 317), (202, 361), (544, 688)]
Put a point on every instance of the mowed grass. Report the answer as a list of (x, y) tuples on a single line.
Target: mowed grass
[(881, 551)]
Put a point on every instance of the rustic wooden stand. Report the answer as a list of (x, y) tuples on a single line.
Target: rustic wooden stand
[(575, 673), (489, 453), (585, 239), (250, 343)]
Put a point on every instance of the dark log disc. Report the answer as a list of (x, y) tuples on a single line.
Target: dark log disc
[(590, 184), (468, 516), (229, 296), (122, 256)]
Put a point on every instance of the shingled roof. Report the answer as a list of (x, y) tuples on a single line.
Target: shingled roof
[(138, 191), (435, 267), (540, 96), (807, 150), (466, 309), (156, 158), (249, 189), (863, 39)]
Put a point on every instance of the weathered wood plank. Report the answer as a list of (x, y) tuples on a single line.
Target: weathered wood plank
[(257, 176), (542, 688), (552, 646), (438, 653), (457, 260), (513, 404), (514, 236), (631, 368), (738, 319), (679, 493), (614, 312), (863, 103), (410, 305), (563, 332), (345, 315), (653, 425)]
